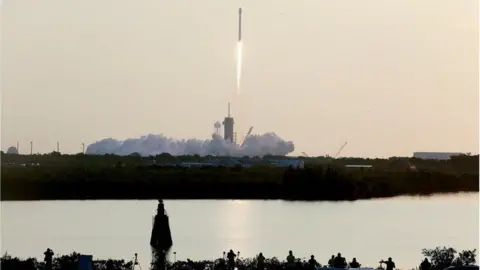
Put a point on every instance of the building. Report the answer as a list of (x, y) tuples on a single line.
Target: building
[(228, 123), (359, 167), (246, 163), (435, 155), (294, 163)]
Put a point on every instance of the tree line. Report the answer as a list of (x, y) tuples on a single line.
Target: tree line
[(119, 179), (457, 164)]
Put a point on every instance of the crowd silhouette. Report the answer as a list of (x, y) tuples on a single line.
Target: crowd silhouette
[(229, 261), (232, 261)]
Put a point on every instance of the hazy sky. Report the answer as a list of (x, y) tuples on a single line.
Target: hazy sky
[(389, 77)]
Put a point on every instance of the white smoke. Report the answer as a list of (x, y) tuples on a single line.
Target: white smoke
[(254, 145)]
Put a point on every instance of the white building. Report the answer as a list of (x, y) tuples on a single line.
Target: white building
[(435, 155), (295, 163)]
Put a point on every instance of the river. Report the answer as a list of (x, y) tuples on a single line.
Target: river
[(369, 230)]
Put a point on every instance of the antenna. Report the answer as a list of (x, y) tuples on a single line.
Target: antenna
[(83, 148), (229, 109), (18, 147), (31, 147), (58, 147)]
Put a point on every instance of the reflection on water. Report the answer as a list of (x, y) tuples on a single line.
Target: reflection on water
[(369, 230)]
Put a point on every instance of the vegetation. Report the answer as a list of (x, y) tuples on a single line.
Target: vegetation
[(440, 258), (64, 262), (56, 176)]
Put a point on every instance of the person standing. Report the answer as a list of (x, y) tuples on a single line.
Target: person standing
[(389, 263)]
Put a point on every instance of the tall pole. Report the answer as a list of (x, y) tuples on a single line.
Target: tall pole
[(83, 148), (58, 147), (31, 147), (18, 147)]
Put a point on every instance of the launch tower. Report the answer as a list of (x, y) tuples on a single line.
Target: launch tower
[(228, 127)]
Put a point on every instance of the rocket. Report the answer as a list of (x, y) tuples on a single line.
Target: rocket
[(240, 24)]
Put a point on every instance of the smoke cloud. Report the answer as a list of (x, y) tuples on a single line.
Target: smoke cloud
[(254, 145)]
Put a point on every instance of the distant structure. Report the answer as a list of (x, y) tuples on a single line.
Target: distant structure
[(245, 163), (435, 155), (217, 127), (228, 122), (12, 150)]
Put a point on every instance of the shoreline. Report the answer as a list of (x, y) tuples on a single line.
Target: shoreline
[(453, 193)]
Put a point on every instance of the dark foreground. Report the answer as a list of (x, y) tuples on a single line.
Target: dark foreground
[(439, 258), (43, 183), (83, 177)]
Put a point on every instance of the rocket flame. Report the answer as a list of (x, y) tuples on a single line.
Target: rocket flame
[(239, 65)]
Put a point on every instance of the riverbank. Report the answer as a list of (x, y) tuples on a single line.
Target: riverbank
[(172, 182)]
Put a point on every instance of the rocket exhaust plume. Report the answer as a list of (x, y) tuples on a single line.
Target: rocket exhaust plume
[(239, 50), (151, 145)]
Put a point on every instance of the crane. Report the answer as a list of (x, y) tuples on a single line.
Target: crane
[(305, 154), (340, 150), (248, 134)]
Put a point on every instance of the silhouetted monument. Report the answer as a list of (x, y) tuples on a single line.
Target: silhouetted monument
[(161, 239)]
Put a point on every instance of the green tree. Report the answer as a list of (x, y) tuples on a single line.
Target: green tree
[(442, 257)]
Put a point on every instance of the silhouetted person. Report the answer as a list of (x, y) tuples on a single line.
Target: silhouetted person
[(48, 259), (389, 263), (260, 261), (161, 239), (312, 263), (331, 262), (231, 259), (354, 263), (189, 264), (290, 260), (339, 261), (238, 262), (425, 265)]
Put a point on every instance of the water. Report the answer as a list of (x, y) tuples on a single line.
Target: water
[(369, 230)]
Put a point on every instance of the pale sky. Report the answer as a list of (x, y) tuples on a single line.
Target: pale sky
[(389, 77)]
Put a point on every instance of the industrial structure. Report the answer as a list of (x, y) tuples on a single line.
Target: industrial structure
[(245, 163), (217, 127), (228, 123), (436, 155)]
